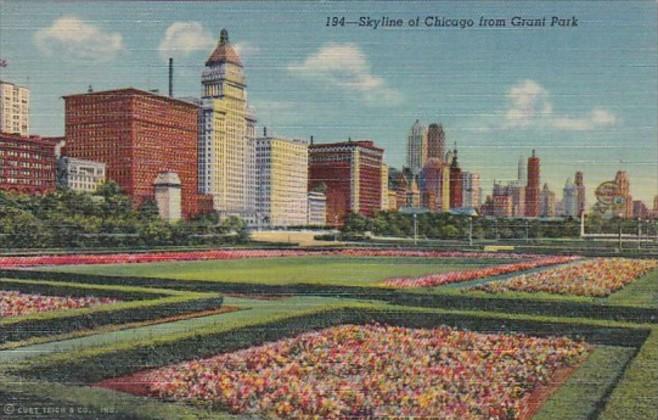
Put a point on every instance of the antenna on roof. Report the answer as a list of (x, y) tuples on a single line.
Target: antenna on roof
[(264, 131), (171, 77)]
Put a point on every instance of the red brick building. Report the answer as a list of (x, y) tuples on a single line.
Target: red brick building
[(456, 194), (351, 172), (27, 164), (138, 135), (532, 188)]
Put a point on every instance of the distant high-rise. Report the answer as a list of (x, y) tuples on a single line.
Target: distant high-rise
[(522, 171), (569, 199), (580, 193), (14, 109), (436, 142), (532, 187), (226, 143), (624, 185), (472, 196), (547, 202), (417, 147), (456, 193), (435, 186), (517, 191)]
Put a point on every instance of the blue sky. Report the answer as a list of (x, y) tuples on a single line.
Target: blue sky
[(584, 97)]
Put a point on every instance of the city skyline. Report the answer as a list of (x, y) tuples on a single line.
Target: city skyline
[(584, 98)]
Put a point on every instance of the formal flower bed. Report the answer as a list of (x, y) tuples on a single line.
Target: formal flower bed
[(467, 275), (598, 277), (14, 303), (370, 370), (153, 257)]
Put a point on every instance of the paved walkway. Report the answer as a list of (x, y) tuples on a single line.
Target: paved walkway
[(252, 309)]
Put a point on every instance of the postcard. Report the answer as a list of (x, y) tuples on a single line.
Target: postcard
[(295, 209)]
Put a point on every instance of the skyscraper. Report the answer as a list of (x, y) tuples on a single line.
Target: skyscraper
[(14, 109), (436, 142), (580, 193), (570, 199), (417, 147), (532, 187), (226, 143)]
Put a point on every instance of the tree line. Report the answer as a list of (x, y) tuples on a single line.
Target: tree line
[(454, 226), (105, 218)]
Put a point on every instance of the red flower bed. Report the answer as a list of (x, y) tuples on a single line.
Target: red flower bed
[(153, 257), (460, 276), (357, 371), (14, 303)]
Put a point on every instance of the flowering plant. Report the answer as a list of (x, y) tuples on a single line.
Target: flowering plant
[(596, 277), (14, 303), (370, 370), (479, 273), (153, 257)]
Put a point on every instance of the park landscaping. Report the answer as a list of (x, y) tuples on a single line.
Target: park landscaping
[(441, 348)]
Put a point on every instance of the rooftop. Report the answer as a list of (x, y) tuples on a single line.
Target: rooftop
[(224, 52)]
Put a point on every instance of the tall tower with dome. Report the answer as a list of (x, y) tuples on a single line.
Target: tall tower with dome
[(227, 134)]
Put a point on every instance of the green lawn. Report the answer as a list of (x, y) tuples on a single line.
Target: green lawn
[(343, 271)]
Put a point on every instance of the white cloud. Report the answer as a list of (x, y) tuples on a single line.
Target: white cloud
[(597, 118), (71, 37), (346, 66), (183, 38), (528, 101), (529, 105)]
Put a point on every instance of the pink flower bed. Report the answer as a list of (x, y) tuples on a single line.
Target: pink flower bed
[(598, 277), (152, 257), (14, 303), (357, 371), (479, 273)]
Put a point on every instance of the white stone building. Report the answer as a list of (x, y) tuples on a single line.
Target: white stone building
[(80, 174)]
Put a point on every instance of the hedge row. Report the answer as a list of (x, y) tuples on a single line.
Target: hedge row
[(45, 289), (554, 307), (154, 305), (112, 362)]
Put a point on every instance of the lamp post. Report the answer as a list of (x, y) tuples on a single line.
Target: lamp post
[(639, 233), (619, 237), (415, 229), (470, 231)]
